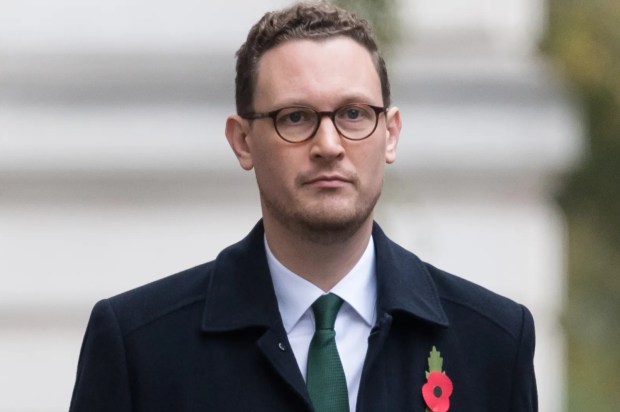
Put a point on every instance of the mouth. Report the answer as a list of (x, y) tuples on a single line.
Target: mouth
[(328, 181)]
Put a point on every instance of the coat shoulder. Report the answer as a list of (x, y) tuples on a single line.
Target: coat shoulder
[(476, 302), (172, 296), (148, 303)]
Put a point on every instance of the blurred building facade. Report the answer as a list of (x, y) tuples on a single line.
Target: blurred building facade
[(114, 169)]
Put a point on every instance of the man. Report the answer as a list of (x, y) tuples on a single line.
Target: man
[(316, 309)]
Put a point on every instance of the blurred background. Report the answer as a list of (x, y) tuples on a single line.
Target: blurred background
[(114, 169)]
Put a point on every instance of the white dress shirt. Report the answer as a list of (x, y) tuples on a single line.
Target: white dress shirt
[(356, 317)]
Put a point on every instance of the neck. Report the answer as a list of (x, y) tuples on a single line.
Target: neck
[(321, 261)]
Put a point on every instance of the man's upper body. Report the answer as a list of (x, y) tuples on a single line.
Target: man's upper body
[(314, 122), (212, 339)]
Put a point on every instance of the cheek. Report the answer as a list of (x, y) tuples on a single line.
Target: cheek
[(273, 168), (373, 163), (268, 171), (262, 151)]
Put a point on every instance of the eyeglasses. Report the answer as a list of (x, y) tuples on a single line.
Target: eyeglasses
[(296, 124)]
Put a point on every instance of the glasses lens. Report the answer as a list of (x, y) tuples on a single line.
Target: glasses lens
[(356, 121), (296, 123)]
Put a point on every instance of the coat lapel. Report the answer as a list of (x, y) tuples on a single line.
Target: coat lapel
[(405, 292), (404, 285), (240, 295)]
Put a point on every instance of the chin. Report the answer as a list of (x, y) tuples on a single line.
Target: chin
[(330, 227), (324, 220)]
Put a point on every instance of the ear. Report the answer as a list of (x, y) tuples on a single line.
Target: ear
[(237, 130), (394, 124)]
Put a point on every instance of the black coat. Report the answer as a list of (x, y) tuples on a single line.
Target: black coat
[(211, 339)]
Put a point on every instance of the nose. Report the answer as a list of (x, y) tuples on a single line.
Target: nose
[(327, 142)]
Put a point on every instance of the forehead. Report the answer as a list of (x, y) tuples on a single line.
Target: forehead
[(319, 73)]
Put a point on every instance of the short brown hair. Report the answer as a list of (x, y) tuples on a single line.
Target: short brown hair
[(307, 20)]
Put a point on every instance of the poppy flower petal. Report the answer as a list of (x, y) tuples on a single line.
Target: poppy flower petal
[(436, 391)]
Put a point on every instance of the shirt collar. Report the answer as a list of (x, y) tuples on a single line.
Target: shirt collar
[(295, 294)]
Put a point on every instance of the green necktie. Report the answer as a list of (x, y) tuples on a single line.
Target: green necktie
[(325, 378)]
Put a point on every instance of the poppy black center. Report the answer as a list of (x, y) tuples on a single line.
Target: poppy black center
[(437, 391)]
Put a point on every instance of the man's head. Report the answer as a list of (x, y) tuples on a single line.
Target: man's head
[(308, 20), (315, 128)]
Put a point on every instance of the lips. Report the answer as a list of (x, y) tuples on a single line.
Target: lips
[(327, 180)]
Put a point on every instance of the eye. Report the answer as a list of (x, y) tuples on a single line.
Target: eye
[(354, 113), (295, 116)]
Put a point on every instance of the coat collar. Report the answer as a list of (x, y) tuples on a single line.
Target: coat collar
[(404, 284), (240, 292)]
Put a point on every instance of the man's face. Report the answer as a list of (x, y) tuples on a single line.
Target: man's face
[(327, 184)]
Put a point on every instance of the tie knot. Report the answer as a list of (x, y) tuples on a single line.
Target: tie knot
[(325, 310)]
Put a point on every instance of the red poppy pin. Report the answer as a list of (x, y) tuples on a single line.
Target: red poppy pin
[(438, 387)]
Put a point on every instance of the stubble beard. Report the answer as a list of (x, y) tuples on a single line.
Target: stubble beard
[(320, 224)]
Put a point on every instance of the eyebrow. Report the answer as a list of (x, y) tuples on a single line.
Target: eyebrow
[(353, 98)]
